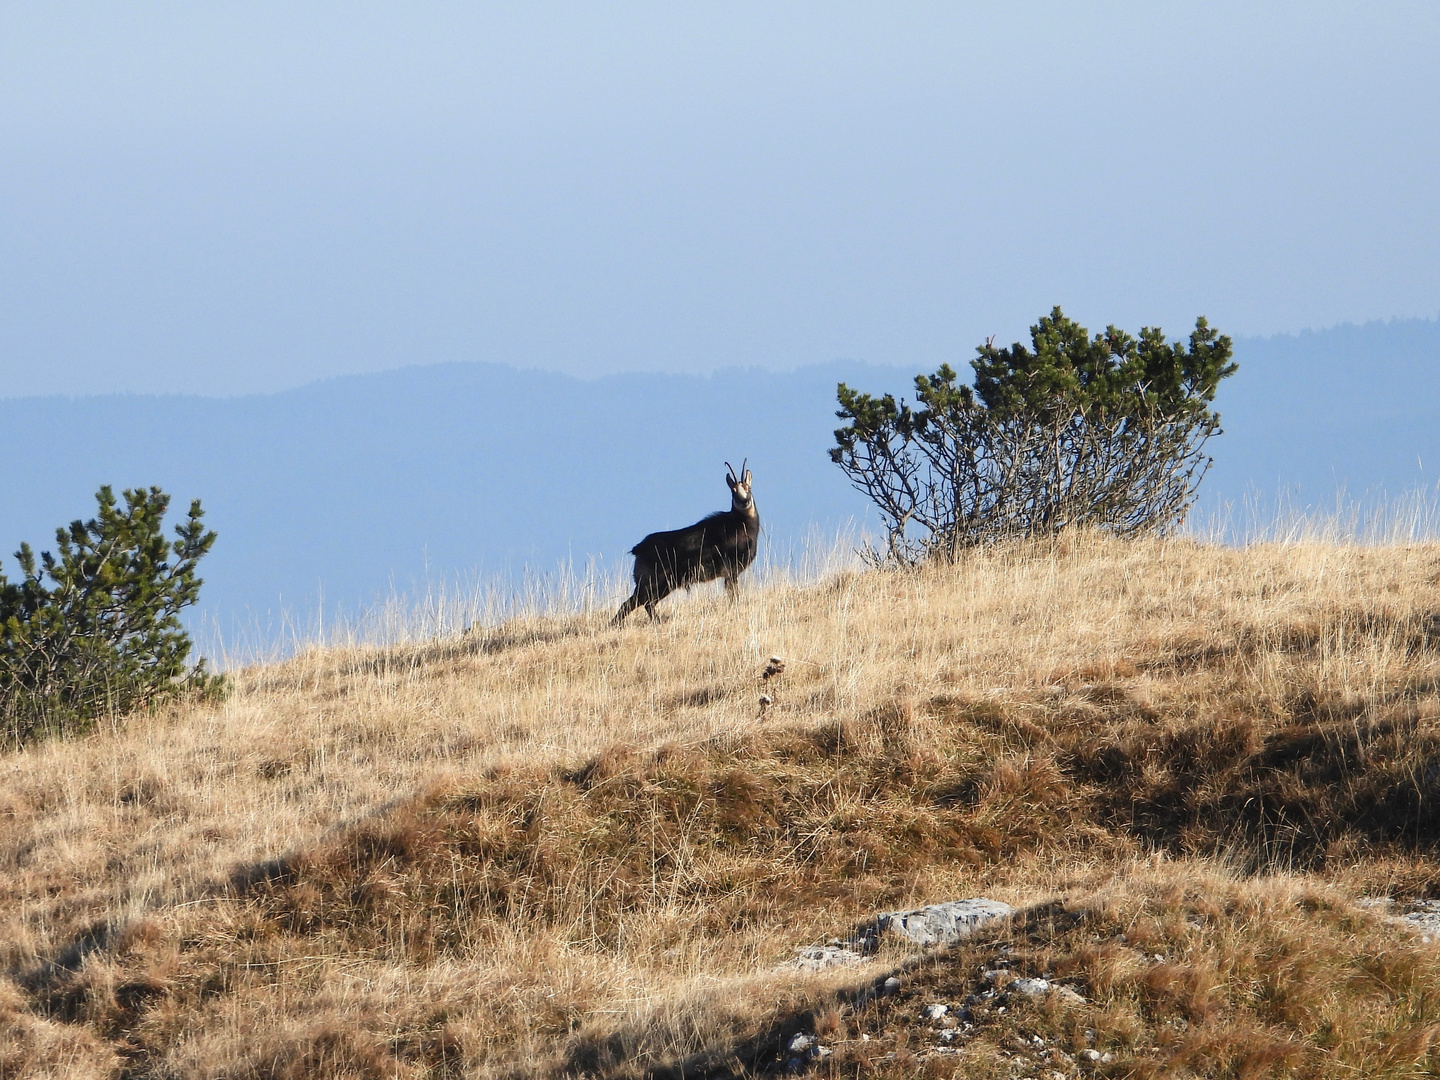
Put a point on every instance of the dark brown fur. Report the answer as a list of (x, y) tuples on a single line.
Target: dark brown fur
[(719, 546)]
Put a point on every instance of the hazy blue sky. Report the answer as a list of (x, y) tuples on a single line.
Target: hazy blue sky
[(247, 196)]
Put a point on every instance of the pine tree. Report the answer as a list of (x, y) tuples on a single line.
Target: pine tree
[(1106, 431), (95, 630)]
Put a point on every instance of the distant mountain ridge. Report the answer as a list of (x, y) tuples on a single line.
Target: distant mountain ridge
[(1350, 407), (348, 487)]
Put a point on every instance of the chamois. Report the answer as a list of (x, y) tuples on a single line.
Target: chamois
[(718, 546)]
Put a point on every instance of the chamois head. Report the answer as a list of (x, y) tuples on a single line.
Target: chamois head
[(740, 498)]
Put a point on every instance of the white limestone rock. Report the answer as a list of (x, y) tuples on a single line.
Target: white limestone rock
[(943, 924), (1068, 997), (1029, 987), (823, 957), (1425, 918)]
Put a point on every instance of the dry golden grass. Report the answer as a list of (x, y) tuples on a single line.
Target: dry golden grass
[(554, 847)]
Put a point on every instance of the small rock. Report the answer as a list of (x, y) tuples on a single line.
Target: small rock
[(1089, 1055), (1068, 997), (1030, 987), (1106, 1058), (864, 1037), (949, 1035), (801, 1043), (942, 924), (890, 985), (823, 1051), (934, 1012), (823, 957), (1425, 918)]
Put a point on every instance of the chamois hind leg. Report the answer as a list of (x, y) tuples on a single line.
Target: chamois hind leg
[(647, 592), (627, 607), (732, 588), (657, 591)]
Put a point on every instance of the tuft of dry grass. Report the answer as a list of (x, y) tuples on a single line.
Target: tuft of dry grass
[(548, 847)]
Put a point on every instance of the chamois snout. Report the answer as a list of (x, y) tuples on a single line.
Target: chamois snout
[(722, 545)]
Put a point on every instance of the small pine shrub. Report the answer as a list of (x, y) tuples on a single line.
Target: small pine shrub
[(1105, 432), (94, 629)]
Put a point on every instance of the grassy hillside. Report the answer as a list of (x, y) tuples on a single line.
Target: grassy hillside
[(556, 848)]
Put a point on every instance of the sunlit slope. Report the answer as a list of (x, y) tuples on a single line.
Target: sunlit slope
[(559, 847)]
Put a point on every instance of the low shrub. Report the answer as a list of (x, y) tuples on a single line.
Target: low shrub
[(95, 629)]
